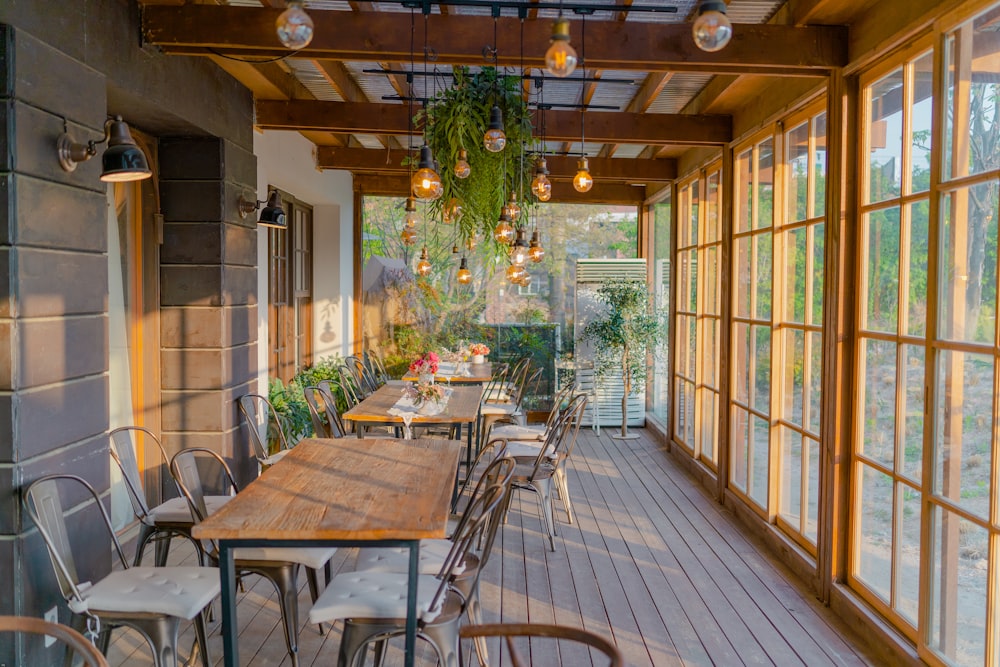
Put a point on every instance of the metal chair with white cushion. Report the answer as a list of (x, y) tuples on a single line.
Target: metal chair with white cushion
[(151, 600), (258, 411)]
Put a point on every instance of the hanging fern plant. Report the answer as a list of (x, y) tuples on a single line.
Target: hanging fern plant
[(455, 120)]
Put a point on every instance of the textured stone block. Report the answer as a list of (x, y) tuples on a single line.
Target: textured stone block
[(192, 243), (240, 165), (193, 369), (240, 245), (53, 215), (191, 159), (54, 416), (35, 142), (190, 285), (63, 349), (52, 283), (240, 285), (198, 410), (192, 201)]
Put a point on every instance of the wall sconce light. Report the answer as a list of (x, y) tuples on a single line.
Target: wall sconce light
[(122, 159), (712, 29), (272, 215)]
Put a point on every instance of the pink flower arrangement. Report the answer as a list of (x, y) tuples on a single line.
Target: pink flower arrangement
[(425, 391), (479, 348), (428, 363)]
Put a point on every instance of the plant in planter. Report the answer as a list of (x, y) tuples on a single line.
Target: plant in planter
[(627, 332)]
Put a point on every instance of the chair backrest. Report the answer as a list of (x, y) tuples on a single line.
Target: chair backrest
[(123, 451), (43, 503), (527, 380), (320, 428), (558, 632), (498, 382), (361, 373), (187, 475), (67, 635), (257, 410), (350, 382), (335, 425), (500, 470), (562, 396), (375, 365), (331, 389), (558, 444)]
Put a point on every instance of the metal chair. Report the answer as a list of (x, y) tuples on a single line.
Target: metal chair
[(151, 600), (279, 565), (257, 410), (373, 604), (74, 641), (508, 428), (331, 390), (171, 518), (540, 630)]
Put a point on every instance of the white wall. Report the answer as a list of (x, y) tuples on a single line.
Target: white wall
[(286, 160)]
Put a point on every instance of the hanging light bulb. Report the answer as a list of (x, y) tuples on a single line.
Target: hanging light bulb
[(462, 168), (503, 232), (583, 181), (408, 236), (464, 276), (471, 242), (535, 250), (541, 187), (424, 265), (513, 208), (495, 138), (411, 212), (452, 211), (426, 184), (712, 29), (560, 59), (514, 273), (519, 252), (454, 249), (525, 279), (294, 26)]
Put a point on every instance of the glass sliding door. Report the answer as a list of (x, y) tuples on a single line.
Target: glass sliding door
[(660, 267)]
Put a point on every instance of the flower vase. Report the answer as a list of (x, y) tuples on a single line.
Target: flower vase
[(426, 378), (479, 359)]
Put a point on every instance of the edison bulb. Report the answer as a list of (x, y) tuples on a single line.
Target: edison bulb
[(427, 184), (462, 168), (464, 276), (495, 138), (712, 29), (424, 265), (452, 211), (294, 26), (561, 58), (583, 181), (503, 232), (411, 212), (541, 186), (513, 208), (525, 279), (519, 256), (535, 251), (514, 273), (408, 236)]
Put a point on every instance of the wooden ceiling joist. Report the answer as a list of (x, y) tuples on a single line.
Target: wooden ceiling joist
[(363, 160), (602, 127), (459, 39), (392, 185)]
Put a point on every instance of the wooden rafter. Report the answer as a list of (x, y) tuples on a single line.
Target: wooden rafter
[(631, 45), (611, 127)]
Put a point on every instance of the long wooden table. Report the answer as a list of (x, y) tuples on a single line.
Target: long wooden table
[(478, 374), (462, 409), (338, 492)]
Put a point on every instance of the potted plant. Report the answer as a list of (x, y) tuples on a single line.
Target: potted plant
[(627, 331)]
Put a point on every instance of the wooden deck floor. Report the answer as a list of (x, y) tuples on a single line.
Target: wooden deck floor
[(651, 562)]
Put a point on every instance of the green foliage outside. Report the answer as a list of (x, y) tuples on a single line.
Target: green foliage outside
[(289, 399)]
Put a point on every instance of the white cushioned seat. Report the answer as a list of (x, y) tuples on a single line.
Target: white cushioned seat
[(518, 432), (177, 591), (523, 449), (314, 557), (274, 458), (373, 595), (500, 409), (177, 510), (397, 559)]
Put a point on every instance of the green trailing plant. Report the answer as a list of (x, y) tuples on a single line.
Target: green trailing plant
[(625, 334), (456, 119), (289, 399)]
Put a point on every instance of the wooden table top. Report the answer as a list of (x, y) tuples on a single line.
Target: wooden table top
[(478, 374), (462, 408), (345, 489)]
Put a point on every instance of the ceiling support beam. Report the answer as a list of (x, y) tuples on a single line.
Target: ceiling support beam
[(196, 29), (562, 191), (363, 160), (608, 128)]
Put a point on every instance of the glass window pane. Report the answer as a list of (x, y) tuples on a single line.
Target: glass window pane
[(741, 299), (913, 411), (760, 461), (811, 421), (710, 234), (743, 175), (790, 505), (962, 448), (762, 265), (711, 286), (741, 362), (739, 437), (796, 254), (710, 367), (878, 400), (885, 137), (907, 554), (874, 531), (762, 369), (922, 99), (959, 586), (797, 166), (818, 275), (684, 412), (765, 184), (819, 166), (691, 280), (709, 421), (811, 466), (972, 123), (692, 212), (969, 264), (793, 391), (916, 288), (882, 270)]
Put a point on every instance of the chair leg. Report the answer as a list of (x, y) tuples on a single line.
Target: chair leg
[(161, 549), (444, 638), (543, 487), (145, 532), (564, 493), (475, 612), (283, 577), (201, 631), (313, 580), (161, 633)]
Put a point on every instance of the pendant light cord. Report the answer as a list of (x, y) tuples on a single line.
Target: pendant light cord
[(583, 90)]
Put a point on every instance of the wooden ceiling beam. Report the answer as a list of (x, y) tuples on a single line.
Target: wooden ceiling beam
[(642, 100), (459, 39), (340, 79), (602, 127), (562, 191), (363, 160)]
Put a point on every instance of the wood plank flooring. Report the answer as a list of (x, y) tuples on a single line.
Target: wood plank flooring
[(651, 562)]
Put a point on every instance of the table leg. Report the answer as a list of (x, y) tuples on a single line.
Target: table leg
[(411, 603), (227, 572)]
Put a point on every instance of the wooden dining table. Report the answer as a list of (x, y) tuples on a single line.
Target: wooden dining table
[(338, 492), (461, 410), (477, 374)]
